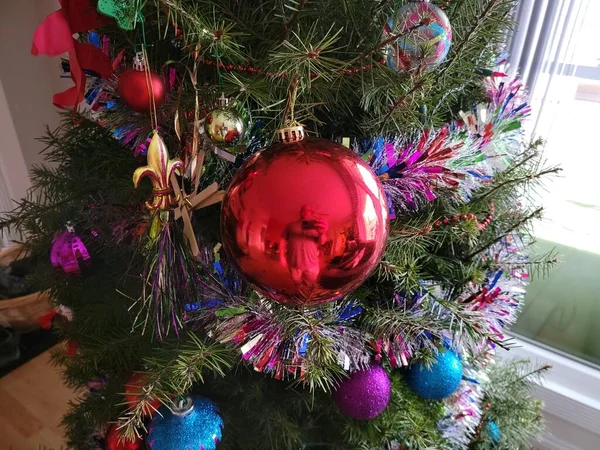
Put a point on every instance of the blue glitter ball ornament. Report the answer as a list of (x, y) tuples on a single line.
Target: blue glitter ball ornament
[(196, 424), (437, 381), (493, 432)]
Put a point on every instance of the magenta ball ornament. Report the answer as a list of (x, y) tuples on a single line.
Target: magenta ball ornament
[(365, 394)]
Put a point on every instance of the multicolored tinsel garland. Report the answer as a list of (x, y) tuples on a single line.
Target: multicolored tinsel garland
[(410, 170), (498, 299), (461, 156), (275, 347), (494, 304), (281, 348)]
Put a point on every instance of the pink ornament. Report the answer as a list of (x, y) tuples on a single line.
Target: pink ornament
[(365, 394), (68, 252)]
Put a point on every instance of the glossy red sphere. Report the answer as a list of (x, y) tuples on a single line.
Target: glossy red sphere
[(115, 442), (135, 90), (134, 389), (305, 222)]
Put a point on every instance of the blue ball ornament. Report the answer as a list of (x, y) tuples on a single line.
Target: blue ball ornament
[(493, 432), (437, 381), (196, 424)]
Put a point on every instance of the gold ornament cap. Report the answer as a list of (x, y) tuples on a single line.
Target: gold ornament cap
[(291, 134)]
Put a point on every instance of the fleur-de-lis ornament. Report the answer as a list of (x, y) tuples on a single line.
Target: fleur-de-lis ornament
[(159, 169)]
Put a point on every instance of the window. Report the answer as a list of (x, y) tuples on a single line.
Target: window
[(563, 310)]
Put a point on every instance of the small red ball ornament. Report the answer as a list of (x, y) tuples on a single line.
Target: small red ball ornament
[(114, 441), (136, 90), (134, 390), (305, 222)]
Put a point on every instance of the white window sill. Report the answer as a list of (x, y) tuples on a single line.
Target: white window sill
[(571, 393)]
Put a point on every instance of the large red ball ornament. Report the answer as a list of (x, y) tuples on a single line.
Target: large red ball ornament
[(136, 91), (305, 222), (134, 390), (114, 441)]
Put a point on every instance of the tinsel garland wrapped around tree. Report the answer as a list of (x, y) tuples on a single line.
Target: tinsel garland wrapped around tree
[(227, 326)]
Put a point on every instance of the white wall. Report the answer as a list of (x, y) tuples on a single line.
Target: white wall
[(27, 84)]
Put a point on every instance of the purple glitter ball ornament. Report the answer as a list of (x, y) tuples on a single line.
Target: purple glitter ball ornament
[(68, 252), (365, 394)]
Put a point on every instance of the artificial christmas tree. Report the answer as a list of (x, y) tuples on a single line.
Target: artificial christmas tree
[(385, 272)]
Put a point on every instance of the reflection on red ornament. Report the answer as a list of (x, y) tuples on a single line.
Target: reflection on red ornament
[(134, 89)]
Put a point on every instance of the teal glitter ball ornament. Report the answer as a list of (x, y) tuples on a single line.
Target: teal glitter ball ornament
[(437, 381), (194, 423), (493, 432)]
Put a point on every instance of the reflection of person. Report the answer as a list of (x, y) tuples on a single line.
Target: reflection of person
[(299, 247)]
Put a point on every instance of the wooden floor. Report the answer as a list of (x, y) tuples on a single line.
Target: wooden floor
[(32, 402)]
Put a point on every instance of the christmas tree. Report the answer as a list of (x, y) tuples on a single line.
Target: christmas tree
[(326, 234)]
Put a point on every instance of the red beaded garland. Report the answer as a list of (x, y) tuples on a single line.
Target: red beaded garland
[(251, 69), (463, 217)]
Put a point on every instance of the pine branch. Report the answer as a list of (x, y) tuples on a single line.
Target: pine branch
[(291, 24), (514, 181), (476, 24), (416, 86)]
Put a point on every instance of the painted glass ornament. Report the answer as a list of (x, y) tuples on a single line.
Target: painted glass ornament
[(68, 252), (225, 125), (196, 424), (424, 37), (114, 441), (305, 222), (439, 380), (365, 394)]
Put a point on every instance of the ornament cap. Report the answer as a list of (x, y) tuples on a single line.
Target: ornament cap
[(183, 406), (290, 134), (223, 101), (139, 63)]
